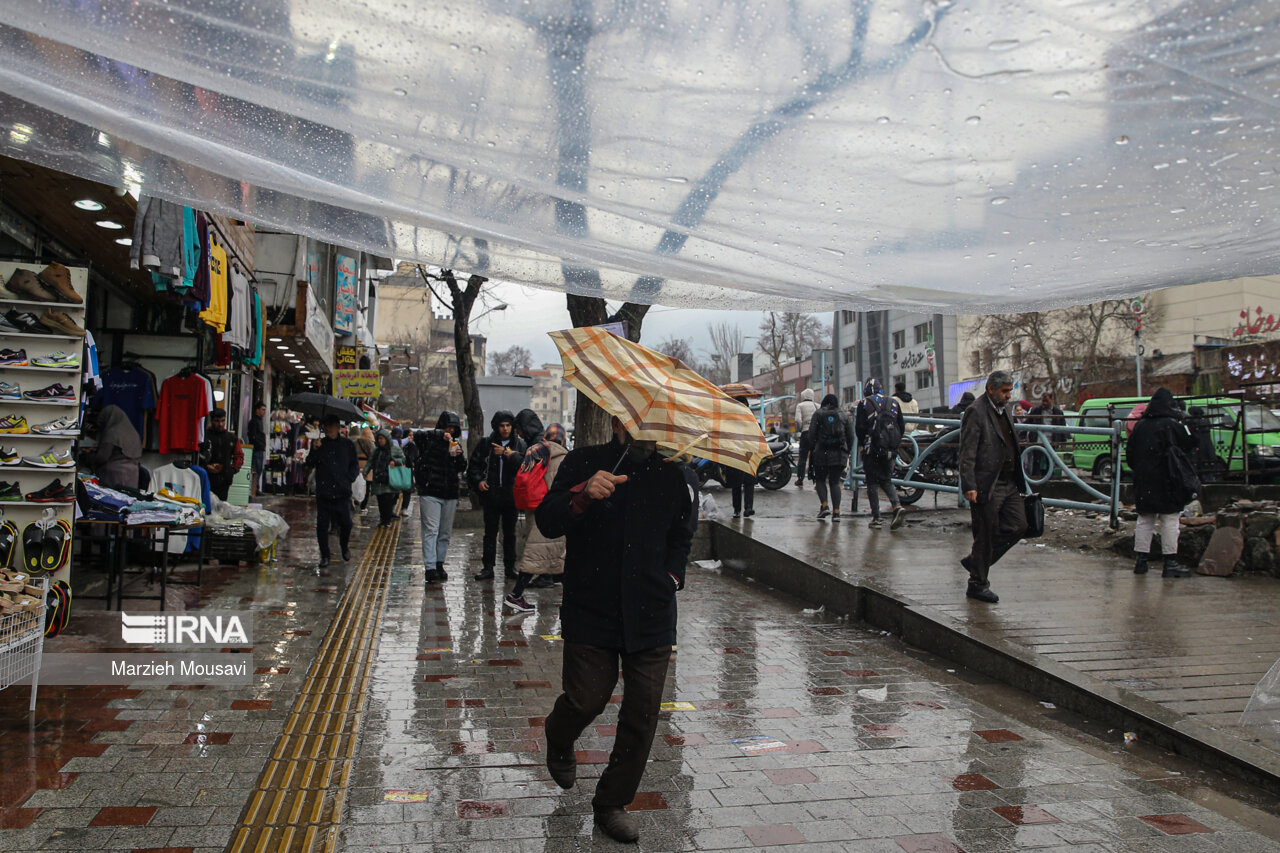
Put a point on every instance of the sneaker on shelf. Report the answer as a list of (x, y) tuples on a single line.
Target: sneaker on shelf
[(55, 359), (10, 391), (9, 457), (24, 284), (10, 492), (54, 493), (60, 427), (519, 605), (60, 322), (13, 358), (27, 322), (50, 459), (5, 325), (14, 425), (57, 280), (55, 393)]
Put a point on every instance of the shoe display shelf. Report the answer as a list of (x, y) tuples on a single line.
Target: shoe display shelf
[(31, 478), (22, 619)]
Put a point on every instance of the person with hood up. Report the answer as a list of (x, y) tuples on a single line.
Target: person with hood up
[(1160, 493), (831, 437), (529, 426), (439, 465), (966, 400), (803, 415), (907, 404), (878, 460), (386, 455), (119, 450), (492, 472), (542, 557)]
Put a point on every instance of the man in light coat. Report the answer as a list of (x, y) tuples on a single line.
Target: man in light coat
[(803, 415)]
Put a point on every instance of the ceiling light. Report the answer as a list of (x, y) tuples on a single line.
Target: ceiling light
[(110, 225), (125, 241), (90, 204), (275, 340)]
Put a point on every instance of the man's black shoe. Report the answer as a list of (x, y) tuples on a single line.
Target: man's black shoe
[(1173, 570), (511, 574), (441, 573), (982, 593), (1140, 564), (432, 576), (563, 767), (346, 555), (617, 824), (324, 561), (486, 574)]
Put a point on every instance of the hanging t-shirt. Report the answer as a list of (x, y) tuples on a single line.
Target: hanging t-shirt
[(216, 314), (259, 330), (132, 390), (191, 251), (185, 401), (238, 332), (190, 482)]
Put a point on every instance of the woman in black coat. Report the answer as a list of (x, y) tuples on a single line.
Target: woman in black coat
[(1158, 490)]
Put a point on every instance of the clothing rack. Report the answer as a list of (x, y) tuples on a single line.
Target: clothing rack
[(228, 247)]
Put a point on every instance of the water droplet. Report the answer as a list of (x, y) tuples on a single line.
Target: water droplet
[(1179, 210), (1004, 44), (1225, 117), (882, 120), (676, 180), (1122, 140), (399, 92), (1061, 94), (1000, 199), (838, 253), (1159, 166), (973, 120)]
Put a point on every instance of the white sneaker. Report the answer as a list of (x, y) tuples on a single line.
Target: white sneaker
[(50, 459), (55, 359), (10, 391), (60, 427)]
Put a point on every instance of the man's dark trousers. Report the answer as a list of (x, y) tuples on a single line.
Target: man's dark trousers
[(997, 525), (590, 674), (493, 515), (339, 513)]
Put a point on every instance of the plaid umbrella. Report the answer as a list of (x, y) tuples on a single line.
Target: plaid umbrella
[(658, 398), (741, 389)]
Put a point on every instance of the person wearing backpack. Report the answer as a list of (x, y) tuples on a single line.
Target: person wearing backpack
[(438, 465), (492, 472), (1160, 490), (831, 440), (543, 557), (880, 428)]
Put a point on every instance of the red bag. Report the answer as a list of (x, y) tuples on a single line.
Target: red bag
[(531, 486)]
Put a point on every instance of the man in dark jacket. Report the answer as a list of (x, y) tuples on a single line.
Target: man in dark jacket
[(257, 434), (492, 471), (222, 455), (628, 519), (830, 442), (333, 458), (992, 481), (877, 461), (1046, 413), (439, 463), (1159, 493)]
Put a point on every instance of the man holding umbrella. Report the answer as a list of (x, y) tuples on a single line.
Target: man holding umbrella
[(333, 458)]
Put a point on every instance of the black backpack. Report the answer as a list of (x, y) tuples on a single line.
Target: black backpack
[(830, 430), (885, 433)]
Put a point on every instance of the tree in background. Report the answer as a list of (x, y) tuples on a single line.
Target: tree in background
[(773, 342), (726, 341), (509, 362), (804, 333), (460, 302)]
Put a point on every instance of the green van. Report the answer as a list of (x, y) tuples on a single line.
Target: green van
[(1092, 453)]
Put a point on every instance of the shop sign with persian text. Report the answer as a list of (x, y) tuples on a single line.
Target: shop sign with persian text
[(351, 383)]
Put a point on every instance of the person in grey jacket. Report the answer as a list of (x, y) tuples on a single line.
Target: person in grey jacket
[(992, 481), (803, 415)]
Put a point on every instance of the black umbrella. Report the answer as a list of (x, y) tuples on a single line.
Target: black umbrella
[(320, 405)]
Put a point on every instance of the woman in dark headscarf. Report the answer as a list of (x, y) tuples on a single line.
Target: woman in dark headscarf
[(119, 449), (1159, 494), (542, 557)]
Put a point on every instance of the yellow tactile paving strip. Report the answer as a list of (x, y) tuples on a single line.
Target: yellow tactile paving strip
[(297, 804)]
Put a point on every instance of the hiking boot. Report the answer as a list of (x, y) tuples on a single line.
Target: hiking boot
[(875, 523), (824, 512), (1140, 564), (1173, 570), (981, 592), (24, 284), (563, 767), (60, 322), (899, 516), (486, 574), (616, 823), (57, 280), (519, 605)]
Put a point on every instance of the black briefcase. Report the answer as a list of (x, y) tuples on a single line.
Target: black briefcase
[(1033, 507)]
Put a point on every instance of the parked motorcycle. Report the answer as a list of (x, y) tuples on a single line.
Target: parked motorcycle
[(773, 473)]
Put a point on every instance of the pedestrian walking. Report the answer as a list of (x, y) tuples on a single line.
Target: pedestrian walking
[(992, 481), (333, 461), (529, 427), (804, 412), (1159, 485), (965, 401), (742, 486), (1047, 413), (439, 464), (377, 471), (257, 435), (879, 428), (364, 449), (907, 404), (221, 454), (628, 520), (542, 557), (831, 437), (492, 471)]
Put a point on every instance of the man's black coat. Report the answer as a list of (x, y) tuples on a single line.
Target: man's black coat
[(336, 467), (625, 556), (983, 445)]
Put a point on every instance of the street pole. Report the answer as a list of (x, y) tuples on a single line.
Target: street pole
[(1137, 339)]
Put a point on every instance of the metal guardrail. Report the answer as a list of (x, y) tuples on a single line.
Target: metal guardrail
[(948, 440)]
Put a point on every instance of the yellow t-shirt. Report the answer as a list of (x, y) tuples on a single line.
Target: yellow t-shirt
[(216, 314)]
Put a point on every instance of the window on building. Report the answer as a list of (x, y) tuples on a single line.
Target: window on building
[(901, 377), (924, 379), (847, 317), (988, 359), (1017, 352), (849, 354), (975, 361), (900, 339), (923, 331), (850, 394)]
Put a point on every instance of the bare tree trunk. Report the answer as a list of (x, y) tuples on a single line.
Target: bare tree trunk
[(463, 300)]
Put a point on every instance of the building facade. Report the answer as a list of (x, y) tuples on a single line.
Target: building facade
[(894, 346)]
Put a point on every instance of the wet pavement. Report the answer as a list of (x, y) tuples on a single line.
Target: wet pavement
[(788, 730)]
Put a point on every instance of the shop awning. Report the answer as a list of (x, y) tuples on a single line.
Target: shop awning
[(303, 348), (935, 155)]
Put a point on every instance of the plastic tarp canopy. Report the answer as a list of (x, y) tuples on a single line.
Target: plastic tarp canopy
[(947, 156)]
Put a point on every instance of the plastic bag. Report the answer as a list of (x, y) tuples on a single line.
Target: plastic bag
[(708, 508), (1263, 709), (358, 489)]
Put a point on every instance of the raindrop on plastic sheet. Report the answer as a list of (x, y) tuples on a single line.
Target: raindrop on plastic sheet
[(1000, 199), (676, 180), (1061, 95), (973, 120), (399, 92), (1122, 140), (836, 252), (1004, 44), (882, 120)]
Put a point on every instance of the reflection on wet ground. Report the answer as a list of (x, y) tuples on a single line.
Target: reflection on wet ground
[(785, 729)]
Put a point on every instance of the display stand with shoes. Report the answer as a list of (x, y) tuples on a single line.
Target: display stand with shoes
[(41, 359)]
